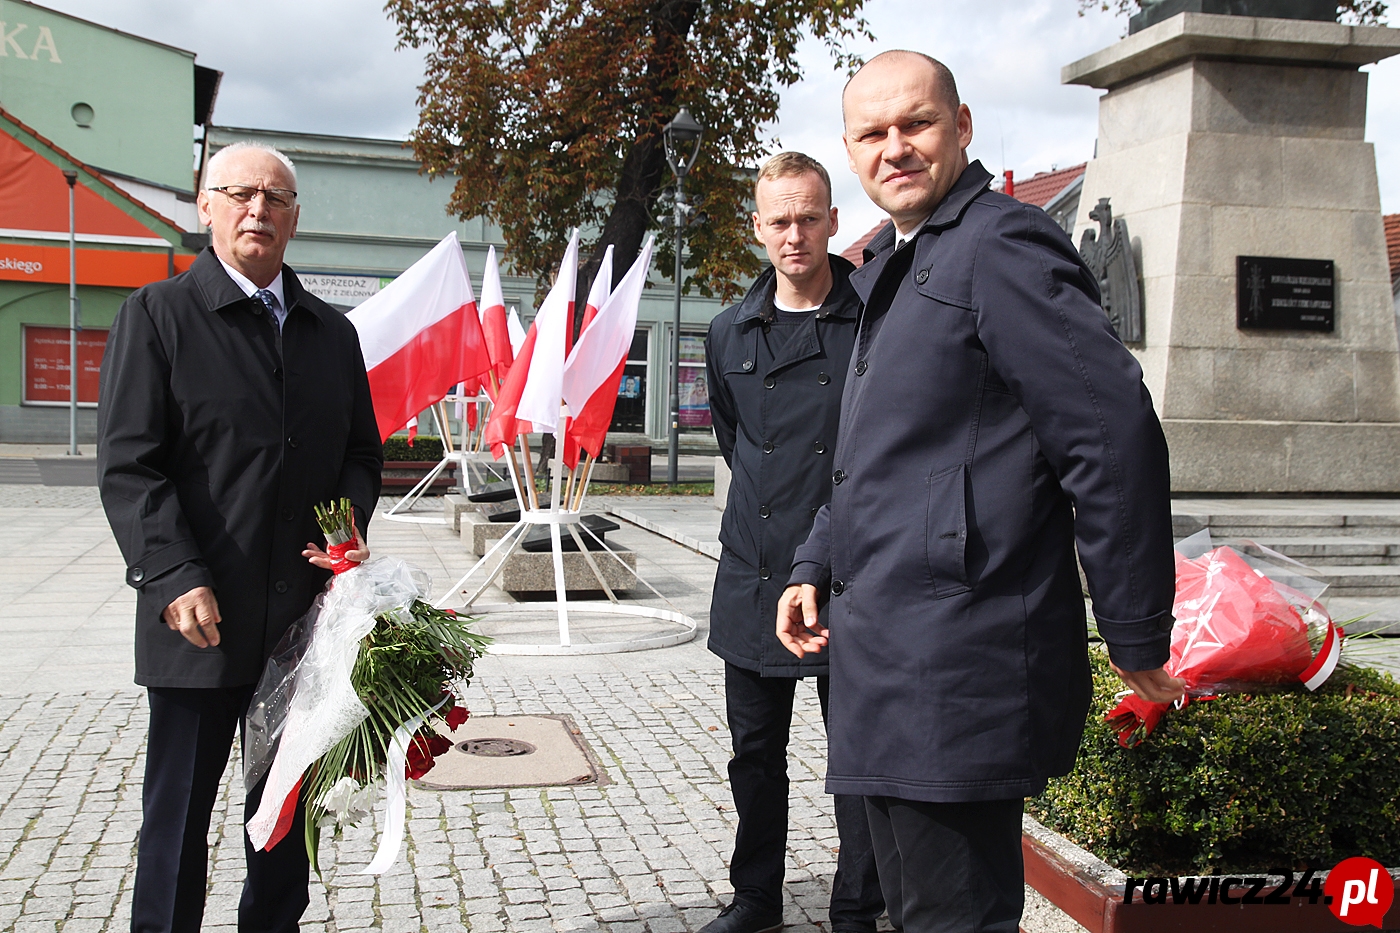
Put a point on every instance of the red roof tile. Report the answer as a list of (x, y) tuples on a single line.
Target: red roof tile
[(855, 252), (1392, 244), (1042, 186)]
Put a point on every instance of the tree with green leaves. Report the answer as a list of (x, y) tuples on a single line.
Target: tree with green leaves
[(550, 114)]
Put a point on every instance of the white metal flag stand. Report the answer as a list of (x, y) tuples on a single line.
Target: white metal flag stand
[(562, 514), (461, 450)]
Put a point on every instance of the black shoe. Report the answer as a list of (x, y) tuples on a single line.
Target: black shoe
[(741, 918)]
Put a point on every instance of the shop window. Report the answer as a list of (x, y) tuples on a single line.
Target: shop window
[(630, 412)]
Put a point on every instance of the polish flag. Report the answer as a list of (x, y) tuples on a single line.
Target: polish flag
[(533, 388), (420, 336), (493, 321), (594, 368), (597, 294), (517, 332)]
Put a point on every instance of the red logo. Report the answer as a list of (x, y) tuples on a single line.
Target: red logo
[(1359, 891)]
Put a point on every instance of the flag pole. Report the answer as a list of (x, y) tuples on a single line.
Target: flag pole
[(587, 474), (529, 470)]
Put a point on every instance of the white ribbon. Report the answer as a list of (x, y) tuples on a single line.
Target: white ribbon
[(395, 794)]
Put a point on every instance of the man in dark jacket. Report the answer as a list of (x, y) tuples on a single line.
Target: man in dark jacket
[(776, 364), (232, 402), (990, 419)]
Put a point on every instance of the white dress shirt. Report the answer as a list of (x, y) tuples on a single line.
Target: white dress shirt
[(279, 309)]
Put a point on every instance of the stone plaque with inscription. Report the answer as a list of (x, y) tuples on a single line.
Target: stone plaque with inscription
[(1284, 294)]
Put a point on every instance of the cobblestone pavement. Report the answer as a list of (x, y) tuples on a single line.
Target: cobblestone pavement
[(644, 852)]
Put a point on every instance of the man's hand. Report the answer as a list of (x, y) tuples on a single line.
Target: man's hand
[(196, 616), (1154, 686), (359, 553), (798, 628)]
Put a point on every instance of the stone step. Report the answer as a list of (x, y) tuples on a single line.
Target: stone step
[(1336, 551), (1360, 581), (1288, 518)]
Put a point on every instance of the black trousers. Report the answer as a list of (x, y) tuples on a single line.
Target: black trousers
[(191, 733), (760, 718), (949, 867)]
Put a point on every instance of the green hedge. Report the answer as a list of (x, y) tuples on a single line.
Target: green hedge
[(425, 447), (1239, 784)]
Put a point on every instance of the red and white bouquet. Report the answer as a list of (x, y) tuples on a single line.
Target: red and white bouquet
[(1247, 618), (346, 700)]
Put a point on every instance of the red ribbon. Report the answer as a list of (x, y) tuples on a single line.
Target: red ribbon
[(339, 564)]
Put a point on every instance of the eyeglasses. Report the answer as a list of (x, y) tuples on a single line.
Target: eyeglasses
[(279, 198)]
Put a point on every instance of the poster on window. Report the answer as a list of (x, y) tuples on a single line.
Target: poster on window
[(694, 398), (46, 364)]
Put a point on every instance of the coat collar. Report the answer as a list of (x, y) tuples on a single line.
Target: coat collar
[(841, 301), (220, 291), (970, 184)]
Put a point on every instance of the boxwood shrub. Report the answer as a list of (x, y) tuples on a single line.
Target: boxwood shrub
[(425, 447), (1243, 783)]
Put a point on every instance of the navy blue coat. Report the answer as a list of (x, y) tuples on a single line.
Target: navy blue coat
[(215, 439), (775, 420), (991, 418)]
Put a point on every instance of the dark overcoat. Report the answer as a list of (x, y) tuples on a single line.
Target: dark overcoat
[(214, 444), (991, 417), (775, 420)]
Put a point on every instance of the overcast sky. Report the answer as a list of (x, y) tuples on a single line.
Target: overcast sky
[(330, 66)]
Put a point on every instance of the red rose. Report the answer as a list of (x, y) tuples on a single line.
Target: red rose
[(438, 745), (456, 717), (420, 758)]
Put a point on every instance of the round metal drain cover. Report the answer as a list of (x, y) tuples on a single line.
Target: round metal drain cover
[(496, 748)]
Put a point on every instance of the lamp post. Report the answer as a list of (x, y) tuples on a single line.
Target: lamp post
[(72, 178), (681, 132)]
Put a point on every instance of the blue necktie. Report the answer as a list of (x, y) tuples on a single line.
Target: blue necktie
[(269, 301)]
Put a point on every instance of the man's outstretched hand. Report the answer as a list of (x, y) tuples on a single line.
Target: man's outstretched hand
[(196, 616), (798, 628), (359, 553), (1154, 686)]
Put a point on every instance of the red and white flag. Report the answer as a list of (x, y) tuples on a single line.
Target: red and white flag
[(597, 294), (420, 336), (493, 320), (594, 368), (533, 389), (517, 331)]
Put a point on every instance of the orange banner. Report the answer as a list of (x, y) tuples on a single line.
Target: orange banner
[(95, 266)]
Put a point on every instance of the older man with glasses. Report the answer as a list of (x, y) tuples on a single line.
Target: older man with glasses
[(232, 402)]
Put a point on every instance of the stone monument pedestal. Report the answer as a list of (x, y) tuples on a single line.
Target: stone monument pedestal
[(1223, 137)]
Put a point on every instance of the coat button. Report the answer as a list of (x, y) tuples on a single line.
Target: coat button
[(748, 365), (763, 573), (823, 379), (288, 515), (922, 277), (769, 382), (815, 510), (280, 586), (137, 574), (291, 442), (818, 448), (768, 447), (861, 367), (277, 372), (764, 511), (837, 587), (838, 477), (767, 327)]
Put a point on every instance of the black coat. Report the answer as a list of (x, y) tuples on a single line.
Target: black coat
[(991, 417), (212, 450), (776, 424)]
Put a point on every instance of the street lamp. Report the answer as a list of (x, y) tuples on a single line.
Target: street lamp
[(73, 326), (681, 133)]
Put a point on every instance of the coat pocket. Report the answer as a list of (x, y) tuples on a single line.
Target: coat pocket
[(946, 531)]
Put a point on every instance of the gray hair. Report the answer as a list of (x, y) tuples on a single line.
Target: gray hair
[(244, 145)]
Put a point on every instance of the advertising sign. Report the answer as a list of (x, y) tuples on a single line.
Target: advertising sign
[(46, 358)]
